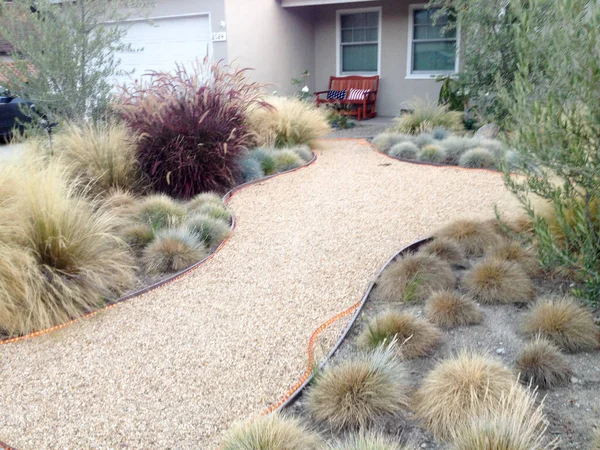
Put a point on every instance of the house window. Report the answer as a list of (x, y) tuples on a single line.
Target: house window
[(359, 36), (432, 47)]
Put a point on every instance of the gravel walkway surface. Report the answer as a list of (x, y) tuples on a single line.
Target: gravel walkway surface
[(173, 368)]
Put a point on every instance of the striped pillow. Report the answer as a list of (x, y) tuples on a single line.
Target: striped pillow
[(357, 94)]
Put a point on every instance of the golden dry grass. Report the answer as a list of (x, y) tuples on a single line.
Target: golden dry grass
[(512, 251), (496, 281), (514, 423), (120, 202), (449, 309), (475, 238), (289, 122), (425, 116), (368, 441), (173, 250), (564, 322), (416, 337), (458, 389), (414, 277), (542, 364), (359, 391), (272, 432), (445, 249)]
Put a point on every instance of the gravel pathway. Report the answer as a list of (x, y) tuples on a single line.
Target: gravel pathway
[(173, 368)]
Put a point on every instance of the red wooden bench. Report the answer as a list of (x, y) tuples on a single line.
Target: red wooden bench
[(365, 105)]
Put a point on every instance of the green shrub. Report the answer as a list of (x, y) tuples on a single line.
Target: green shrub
[(404, 150), (160, 211), (432, 153), (425, 116), (208, 230), (287, 160), (478, 158), (173, 250), (385, 141)]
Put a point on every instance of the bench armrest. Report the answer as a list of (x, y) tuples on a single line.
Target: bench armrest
[(320, 92)]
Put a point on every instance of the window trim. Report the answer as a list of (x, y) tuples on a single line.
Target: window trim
[(338, 38), (409, 54)]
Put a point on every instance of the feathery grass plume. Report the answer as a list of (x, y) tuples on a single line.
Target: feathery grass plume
[(423, 139), (303, 151), (266, 157), (160, 211), (515, 423), (287, 160), (272, 432), (219, 212), (173, 250), (367, 441), (439, 133), (63, 258), (455, 146), (385, 141), (416, 337), (425, 116), (250, 168), (414, 277), (449, 309), (445, 249), (458, 389), (432, 153), (360, 390), (287, 122), (475, 238), (101, 154), (514, 252), (477, 158), (564, 322), (404, 150), (542, 364), (209, 230), (203, 199), (137, 235)]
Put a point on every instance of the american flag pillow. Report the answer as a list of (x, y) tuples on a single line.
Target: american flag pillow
[(357, 94), (336, 95)]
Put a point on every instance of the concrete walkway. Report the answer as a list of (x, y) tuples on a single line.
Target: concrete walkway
[(174, 368)]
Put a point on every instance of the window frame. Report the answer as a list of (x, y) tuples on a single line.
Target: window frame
[(423, 75), (338, 33)]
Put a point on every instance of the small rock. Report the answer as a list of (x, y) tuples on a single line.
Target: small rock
[(488, 131), (501, 351), (423, 445), (574, 380)]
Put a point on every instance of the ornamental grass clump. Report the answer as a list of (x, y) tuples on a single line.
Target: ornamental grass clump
[(515, 423), (478, 158), (423, 139), (287, 160), (272, 432), (120, 202), (541, 364), (202, 199), (251, 169), (415, 337), (207, 229), (449, 309), (439, 133), (137, 235), (425, 116), (458, 389), (303, 151), (445, 249), (193, 126), (359, 391), (475, 238), (61, 256), (385, 141), (218, 211), (367, 441), (512, 251), (160, 211), (564, 322), (266, 158), (497, 281), (286, 122), (414, 277), (432, 153), (173, 250), (404, 150), (454, 147)]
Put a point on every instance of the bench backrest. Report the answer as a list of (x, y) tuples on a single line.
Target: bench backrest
[(353, 82)]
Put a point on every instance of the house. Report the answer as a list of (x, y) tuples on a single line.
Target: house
[(279, 39)]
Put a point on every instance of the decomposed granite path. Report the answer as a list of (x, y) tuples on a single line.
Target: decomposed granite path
[(173, 368)]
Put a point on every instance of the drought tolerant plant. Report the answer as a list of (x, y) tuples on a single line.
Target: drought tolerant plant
[(415, 336), (564, 322), (432, 153), (160, 211), (61, 256), (285, 122), (458, 389), (478, 158), (173, 250), (69, 52), (101, 154), (251, 168), (514, 252), (445, 249), (367, 441), (596, 439), (414, 277), (541, 363), (209, 230), (474, 238), (217, 211), (497, 281), (439, 133), (303, 151), (120, 202), (404, 150), (192, 125), (423, 139), (554, 91), (385, 141), (137, 235), (449, 309), (359, 391), (516, 423), (425, 116), (272, 432), (455, 146), (203, 199), (287, 160)]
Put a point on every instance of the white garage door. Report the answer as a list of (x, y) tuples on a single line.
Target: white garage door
[(165, 42)]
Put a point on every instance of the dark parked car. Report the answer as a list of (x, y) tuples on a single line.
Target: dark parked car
[(11, 116)]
